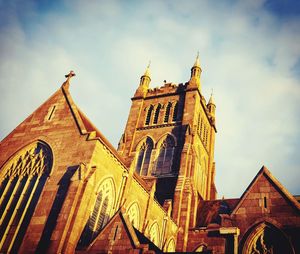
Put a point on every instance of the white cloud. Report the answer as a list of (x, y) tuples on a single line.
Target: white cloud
[(247, 55)]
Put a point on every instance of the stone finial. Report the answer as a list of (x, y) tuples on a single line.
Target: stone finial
[(197, 62), (211, 99), (147, 72)]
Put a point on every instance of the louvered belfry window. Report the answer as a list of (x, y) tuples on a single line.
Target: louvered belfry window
[(167, 113), (149, 113), (156, 115), (22, 179), (175, 113)]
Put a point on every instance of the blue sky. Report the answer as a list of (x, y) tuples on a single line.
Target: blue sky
[(249, 51)]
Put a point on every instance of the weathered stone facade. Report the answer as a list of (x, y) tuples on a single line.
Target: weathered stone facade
[(66, 189)]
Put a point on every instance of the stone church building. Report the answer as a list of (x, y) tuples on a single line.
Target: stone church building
[(65, 189)]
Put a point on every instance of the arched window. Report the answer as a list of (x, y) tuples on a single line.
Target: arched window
[(175, 113), (149, 113), (154, 234), (171, 246), (201, 248), (101, 213), (22, 179), (134, 215), (167, 113), (144, 156), (266, 238), (165, 157), (156, 115)]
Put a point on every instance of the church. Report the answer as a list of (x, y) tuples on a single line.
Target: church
[(65, 189)]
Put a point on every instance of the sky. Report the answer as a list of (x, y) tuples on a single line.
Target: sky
[(249, 52)]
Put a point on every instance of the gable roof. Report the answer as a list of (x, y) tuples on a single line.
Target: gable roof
[(137, 239), (265, 172)]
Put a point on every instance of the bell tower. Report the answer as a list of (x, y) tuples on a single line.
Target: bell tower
[(169, 141)]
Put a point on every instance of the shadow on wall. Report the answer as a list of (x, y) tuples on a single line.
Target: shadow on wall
[(62, 191)]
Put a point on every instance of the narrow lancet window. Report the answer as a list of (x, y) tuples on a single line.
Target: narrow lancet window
[(148, 117), (156, 115), (175, 113), (167, 113)]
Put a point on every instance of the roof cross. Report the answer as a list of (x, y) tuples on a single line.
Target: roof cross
[(70, 75)]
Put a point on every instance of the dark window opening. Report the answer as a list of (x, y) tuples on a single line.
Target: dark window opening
[(167, 114), (148, 117), (156, 115)]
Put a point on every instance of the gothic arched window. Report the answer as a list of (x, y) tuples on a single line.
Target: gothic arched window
[(144, 156), (134, 215), (266, 238), (149, 113), (156, 115), (101, 213), (171, 246), (165, 157), (175, 113), (22, 179), (154, 234), (200, 248), (167, 113)]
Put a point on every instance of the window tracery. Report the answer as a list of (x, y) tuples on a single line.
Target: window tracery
[(165, 156), (134, 215), (171, 246), (267, 239), (154, 234), (101, 213), (144, 156), (22, 179)]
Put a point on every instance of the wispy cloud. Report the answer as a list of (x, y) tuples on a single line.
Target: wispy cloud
[(250, 55)]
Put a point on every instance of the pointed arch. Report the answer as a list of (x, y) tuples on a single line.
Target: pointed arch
[(133, 213), (149, 113), (144, 156), (167, 112), (22, 180), (201, 247), (163, 137), (102, 211), (175, 112), (171, 245), (165, 156), (266, 238), (156, 114), (154, 235)]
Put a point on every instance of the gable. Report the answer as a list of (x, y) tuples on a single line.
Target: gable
[(117, 235), (266, 196)]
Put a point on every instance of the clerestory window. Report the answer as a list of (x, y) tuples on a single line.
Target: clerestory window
[(101, 213)]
